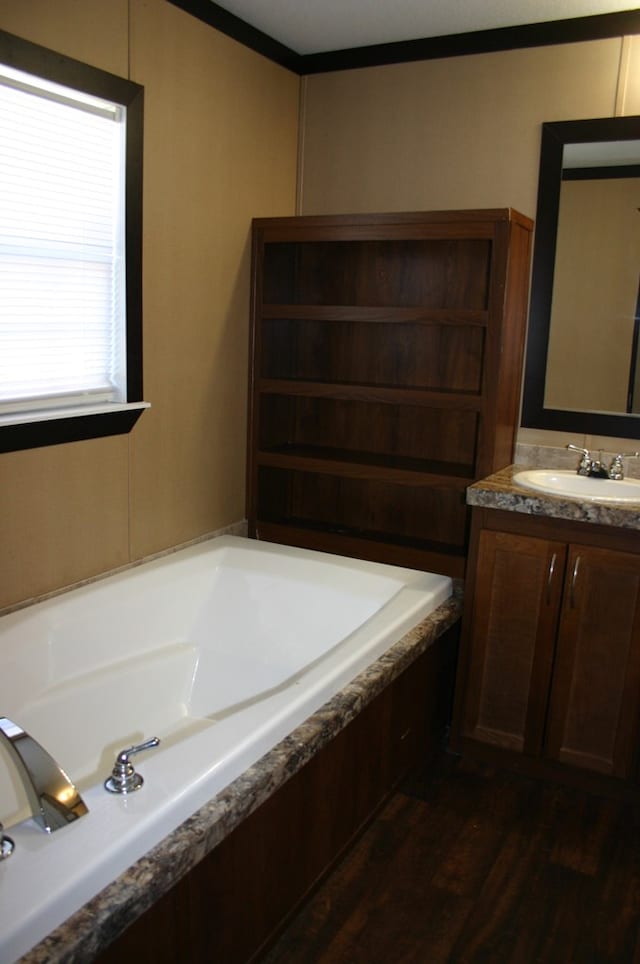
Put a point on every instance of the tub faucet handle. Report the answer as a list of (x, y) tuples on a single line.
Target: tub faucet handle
[(124, 778), (6, 844)]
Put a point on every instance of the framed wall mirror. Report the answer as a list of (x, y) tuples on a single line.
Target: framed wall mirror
[(582, 370)]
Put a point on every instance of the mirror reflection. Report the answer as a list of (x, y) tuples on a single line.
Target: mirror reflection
[(595, 288), (582, 352)]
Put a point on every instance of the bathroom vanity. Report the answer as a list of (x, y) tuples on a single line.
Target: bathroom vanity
[(549, 672)]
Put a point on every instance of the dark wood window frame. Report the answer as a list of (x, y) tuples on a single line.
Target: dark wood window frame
[(46, 63)]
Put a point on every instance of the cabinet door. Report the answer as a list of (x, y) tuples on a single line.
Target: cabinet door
[(517, 601), (593, 713)]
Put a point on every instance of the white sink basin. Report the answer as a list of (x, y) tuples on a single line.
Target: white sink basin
[(568, 483)]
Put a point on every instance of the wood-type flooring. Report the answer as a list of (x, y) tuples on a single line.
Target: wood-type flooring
[(470, 864)]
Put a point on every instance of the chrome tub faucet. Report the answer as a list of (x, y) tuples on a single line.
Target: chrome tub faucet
[(53, 798)]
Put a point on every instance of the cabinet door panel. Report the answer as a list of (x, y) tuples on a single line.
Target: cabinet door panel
[(593, 715), (517, 601)]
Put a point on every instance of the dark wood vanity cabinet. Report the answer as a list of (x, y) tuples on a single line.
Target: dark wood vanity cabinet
[(386, 356), (550, 654), (595, 693)]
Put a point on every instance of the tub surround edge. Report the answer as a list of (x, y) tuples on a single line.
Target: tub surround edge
[(107, 915), (233, 529)]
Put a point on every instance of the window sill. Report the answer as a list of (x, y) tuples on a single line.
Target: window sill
[(57, 426)]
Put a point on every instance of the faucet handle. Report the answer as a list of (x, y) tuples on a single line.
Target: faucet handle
[(586, 461), (124, 778), (6, 844), (616, 469)]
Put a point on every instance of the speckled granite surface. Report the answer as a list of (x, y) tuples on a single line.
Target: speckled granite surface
[(80, 939), (499, 492)]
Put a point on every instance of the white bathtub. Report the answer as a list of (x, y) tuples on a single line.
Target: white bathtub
[(221, 650)]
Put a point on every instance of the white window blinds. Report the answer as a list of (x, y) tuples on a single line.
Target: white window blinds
[(62, 258)]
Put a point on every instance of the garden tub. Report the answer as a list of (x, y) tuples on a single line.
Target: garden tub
[(220, 650)]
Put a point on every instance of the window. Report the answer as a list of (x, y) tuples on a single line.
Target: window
[(70, 249)]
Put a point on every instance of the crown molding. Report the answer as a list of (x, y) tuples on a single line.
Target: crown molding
[(576, 30)]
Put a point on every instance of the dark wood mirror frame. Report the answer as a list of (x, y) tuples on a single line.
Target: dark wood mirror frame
[(534, 415)]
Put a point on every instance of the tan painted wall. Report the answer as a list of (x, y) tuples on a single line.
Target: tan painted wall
[(220, 148), (462, 132), (455, 133)]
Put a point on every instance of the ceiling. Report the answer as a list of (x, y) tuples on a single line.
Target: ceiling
[(318, 26)]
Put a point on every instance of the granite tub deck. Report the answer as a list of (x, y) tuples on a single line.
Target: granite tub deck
[(102, 919), (499, 491)]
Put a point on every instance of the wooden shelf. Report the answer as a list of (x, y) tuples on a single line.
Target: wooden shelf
[(371, 315), (464, 401), (401, 354), (397, 507), (386, 355), (414, 554), (379, 272), (367, 465)]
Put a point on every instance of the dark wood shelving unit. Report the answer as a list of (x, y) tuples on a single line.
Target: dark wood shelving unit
[(386, 360)]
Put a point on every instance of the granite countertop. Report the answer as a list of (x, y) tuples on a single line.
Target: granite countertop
[(102, 919), (500, 492)]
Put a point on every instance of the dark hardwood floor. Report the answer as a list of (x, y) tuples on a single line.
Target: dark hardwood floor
[(470, 864)]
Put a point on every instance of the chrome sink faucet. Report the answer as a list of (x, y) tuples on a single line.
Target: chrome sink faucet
[(594, 468), (53, 799)]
